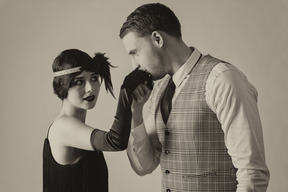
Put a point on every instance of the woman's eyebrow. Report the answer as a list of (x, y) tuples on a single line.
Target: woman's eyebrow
[(95, 74), (78, 78)]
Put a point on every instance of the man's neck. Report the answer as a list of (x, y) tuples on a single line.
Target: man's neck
[(179, 54)]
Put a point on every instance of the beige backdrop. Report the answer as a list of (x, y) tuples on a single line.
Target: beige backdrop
[(253, 35)]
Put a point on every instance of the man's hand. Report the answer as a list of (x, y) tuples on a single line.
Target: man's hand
[(138, 84), (140, 95)]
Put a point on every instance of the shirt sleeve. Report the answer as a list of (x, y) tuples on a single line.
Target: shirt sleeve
[(234, 100), (144, 147)]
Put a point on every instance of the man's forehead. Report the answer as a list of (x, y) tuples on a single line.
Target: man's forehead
[(130, 37), (130, 40)]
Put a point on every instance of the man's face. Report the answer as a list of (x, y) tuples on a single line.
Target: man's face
[(145, 54)]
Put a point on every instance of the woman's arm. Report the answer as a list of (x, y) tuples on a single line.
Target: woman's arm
[(72, 132), (117, 138)]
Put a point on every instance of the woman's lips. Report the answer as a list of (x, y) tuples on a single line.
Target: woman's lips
[(89, 98)]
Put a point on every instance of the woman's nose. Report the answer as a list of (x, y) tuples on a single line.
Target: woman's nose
[(88, 87)]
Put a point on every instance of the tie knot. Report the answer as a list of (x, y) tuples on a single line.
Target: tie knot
[(171, 83)]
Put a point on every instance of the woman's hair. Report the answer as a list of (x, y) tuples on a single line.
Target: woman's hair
[(152, 17), (72, 58)]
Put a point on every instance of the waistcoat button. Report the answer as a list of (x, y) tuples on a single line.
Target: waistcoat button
[(167, 172), (167, 132), (168, 190), (166, 152)]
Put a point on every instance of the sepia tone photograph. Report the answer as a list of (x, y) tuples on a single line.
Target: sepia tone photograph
[(142, 95)]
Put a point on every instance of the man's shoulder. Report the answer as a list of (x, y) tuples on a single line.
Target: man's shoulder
[(222, 67)]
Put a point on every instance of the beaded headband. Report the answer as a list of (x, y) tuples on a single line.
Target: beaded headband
[(67, 71)]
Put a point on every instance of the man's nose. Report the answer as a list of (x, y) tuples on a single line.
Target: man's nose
[(135, 65)]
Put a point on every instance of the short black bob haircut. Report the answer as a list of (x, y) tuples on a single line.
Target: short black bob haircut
[(72, 58)]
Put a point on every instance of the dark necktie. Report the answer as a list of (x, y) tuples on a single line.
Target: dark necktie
[(166, 103)]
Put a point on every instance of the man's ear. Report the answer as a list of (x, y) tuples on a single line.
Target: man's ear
[(157, 38)]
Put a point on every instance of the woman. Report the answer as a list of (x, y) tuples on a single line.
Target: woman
[(72, 154)]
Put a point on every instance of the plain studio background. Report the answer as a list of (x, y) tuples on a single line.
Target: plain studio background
[(253, 35)]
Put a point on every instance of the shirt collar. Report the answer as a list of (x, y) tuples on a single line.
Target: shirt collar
[(185, 69)]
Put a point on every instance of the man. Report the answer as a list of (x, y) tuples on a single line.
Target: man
[(209, 137)]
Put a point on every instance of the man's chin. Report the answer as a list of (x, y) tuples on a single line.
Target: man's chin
[(157, 77)]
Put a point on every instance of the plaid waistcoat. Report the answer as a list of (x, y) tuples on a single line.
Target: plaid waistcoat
[(194, 156)]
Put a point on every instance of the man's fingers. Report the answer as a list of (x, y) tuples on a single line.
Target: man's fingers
[(137, 93), (146, 89)]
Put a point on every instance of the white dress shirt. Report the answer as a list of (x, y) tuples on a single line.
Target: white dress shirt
[(233, 99)]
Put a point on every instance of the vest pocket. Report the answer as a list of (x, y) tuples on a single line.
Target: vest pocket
[(231, 173), (200, 180), (199, 175)]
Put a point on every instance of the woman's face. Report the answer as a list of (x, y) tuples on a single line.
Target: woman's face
[(84, 91)]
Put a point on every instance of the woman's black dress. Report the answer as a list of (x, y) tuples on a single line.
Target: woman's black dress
[(89, 174)]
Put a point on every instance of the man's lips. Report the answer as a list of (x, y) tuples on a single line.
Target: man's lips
[(89, 98)]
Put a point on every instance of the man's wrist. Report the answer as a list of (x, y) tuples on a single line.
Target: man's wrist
[(137, 118)]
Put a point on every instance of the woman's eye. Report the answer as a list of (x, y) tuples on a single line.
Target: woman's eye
[(78, 82), (95, 78)]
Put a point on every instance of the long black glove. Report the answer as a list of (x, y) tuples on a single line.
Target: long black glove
[(137, 77), (117, 138)]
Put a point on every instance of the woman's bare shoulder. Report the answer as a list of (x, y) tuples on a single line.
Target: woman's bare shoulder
[(65, 123), (65, 119)]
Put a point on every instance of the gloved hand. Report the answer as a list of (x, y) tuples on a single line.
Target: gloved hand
[(137, 77), (117, 138)]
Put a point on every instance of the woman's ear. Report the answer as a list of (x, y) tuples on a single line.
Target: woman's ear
[(157, 38)]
